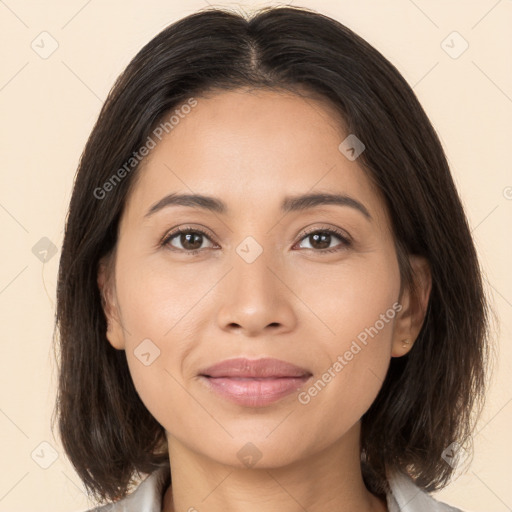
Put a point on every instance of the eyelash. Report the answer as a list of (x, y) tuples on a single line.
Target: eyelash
[(346, 243)]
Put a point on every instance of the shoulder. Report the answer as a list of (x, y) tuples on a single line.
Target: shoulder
[(147, 497), (405, 496)]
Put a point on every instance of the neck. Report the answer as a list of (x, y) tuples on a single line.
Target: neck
[(327, 480)]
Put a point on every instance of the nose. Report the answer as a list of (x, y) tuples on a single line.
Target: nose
[(256, 299)]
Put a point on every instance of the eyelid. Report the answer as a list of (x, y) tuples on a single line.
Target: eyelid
[(342, 235), (173, 232)]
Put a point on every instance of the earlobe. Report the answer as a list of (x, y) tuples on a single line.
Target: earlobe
[(400, 348), (414, 307)]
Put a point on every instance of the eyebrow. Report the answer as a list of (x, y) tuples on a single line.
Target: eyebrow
[(289, 204)]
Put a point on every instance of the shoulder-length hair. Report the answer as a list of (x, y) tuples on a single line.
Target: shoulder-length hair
[(428, 396)]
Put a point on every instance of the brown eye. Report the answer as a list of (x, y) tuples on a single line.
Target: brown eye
[(320, 240), (191, 240)]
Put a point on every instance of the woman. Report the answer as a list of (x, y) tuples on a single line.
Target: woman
[(268, 293)]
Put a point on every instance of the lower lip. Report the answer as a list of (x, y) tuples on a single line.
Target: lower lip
[(254, 392)]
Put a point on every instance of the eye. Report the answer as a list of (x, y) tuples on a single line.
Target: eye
[(191, 239), (321, 239)]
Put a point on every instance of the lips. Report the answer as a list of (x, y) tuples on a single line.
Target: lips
[(254, 368), (254, 383)]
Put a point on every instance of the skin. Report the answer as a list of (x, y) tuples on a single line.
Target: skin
[(251, 149)]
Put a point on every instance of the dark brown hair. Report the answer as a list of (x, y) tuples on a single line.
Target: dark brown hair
[(428, 396)]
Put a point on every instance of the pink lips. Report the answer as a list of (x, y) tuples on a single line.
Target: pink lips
[(254, 382)]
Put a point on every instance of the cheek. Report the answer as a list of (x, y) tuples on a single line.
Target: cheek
[(167, 399), (358, 305), (346, 385), (160, 309), (351, 296), (160, 298)]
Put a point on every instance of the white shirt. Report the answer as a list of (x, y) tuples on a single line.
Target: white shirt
[(405, 496)]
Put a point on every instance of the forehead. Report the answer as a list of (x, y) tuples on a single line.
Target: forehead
[(252, 148)]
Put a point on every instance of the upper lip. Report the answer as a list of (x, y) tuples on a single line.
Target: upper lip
[(265, 367)]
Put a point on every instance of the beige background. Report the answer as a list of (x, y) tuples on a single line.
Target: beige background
[(48, 109)]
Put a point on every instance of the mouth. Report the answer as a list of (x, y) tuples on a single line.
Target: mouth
[(254, 383)]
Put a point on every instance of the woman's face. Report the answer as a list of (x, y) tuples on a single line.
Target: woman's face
[(266, 280)]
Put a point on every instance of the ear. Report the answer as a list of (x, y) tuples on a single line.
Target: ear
[(106, 286), (414, 304)]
